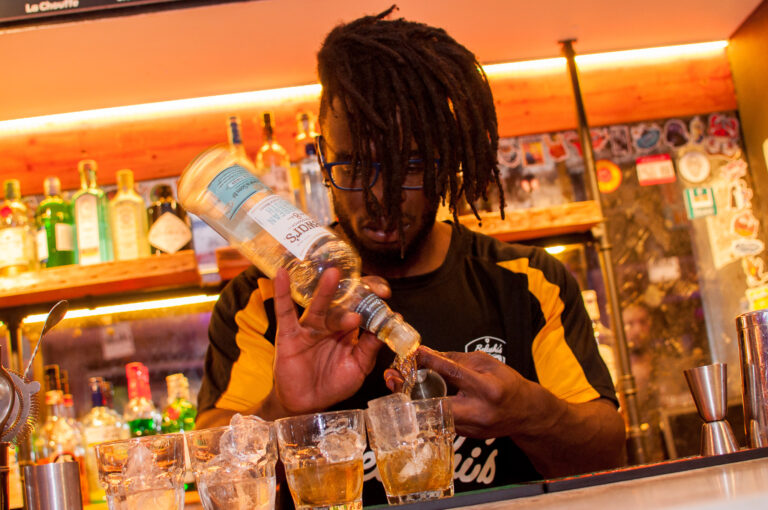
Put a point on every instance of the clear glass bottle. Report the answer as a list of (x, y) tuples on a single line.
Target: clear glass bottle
[(140, 413), (99, 425), (59, 437), (314, 193), (91, 213), (272, 162), (603, 336), (179, 413), (223, 190), (128, 213), (16, 235), (55, 227), (170, 229)]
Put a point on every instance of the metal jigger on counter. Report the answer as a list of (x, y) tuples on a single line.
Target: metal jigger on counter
[(708, 387), (752, 328)]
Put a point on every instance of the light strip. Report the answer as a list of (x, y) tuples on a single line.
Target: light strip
[(128, 307), (554, 250), (62, 121)]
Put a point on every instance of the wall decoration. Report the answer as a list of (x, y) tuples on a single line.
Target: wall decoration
[(608, 175), (699, 202), (656, 169), (675, 133), (694, 167), (646, 137)]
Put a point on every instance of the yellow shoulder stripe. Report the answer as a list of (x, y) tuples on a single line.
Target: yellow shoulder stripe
[(251, 377), (557, 368)]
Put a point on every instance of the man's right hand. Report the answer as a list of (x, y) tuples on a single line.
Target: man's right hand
[(320, 358)]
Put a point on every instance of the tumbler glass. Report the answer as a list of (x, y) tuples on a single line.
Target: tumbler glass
[(323, 458)]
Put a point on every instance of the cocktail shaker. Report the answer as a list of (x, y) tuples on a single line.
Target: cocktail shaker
[(752, 328)]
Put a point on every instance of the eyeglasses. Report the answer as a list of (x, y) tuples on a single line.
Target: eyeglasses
[(344, 176)]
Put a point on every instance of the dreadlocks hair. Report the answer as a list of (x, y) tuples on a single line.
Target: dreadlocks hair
[(398, 82)]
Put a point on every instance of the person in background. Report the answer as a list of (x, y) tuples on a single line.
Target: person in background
[(408, 122)]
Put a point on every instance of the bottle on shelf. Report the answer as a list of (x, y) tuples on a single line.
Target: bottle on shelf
[(140, 413), (223, 191), (59, 437), (16, 233), (91, 213), (313, 191), (603, 336), (100, 424), (235, 136), (128, 213), (273, 163), (55, 227), (170, 229), (68, 401), (179, 413)]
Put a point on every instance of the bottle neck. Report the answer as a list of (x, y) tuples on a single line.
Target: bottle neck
[(54, 401)]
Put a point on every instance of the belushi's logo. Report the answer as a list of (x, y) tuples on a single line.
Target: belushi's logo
[(490, 345)]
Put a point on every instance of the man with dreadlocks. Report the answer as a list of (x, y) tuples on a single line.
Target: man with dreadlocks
[(407, 121)]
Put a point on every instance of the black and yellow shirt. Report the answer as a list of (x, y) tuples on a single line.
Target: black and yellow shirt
[(517, 303)]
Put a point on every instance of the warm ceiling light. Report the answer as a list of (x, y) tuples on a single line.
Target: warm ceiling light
[(64, 121), (554, 250), (128, 307)]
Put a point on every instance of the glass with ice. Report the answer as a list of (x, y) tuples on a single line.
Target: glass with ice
[(143, 472), (235, 465), (413, 444), (323, 458)]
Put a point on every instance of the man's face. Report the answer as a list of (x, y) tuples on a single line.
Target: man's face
[(375, 241), (637, 327)]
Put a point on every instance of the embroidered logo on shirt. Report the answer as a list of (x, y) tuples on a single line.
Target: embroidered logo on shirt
[(490, 345)]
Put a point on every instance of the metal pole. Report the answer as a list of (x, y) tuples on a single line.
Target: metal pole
[(626, 386)]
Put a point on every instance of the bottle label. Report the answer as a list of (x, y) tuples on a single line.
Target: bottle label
[(368, 307), (64, 237), (125, 234), (42, 244), (233, 186), (169, 233), (288, 225), (87, 221), (13, 241)]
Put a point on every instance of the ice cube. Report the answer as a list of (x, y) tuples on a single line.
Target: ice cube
[(157, 499), (388, 400), (249, 439), (341, 444), (140, 472), (421, 455)]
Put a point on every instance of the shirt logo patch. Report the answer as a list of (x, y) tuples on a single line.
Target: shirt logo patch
[(490, 345)]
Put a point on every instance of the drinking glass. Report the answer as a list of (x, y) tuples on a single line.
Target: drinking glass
[(143, 472), (413, 444), (235, 465), (323, 458)]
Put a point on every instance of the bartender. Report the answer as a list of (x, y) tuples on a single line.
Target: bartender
[(408, 122)]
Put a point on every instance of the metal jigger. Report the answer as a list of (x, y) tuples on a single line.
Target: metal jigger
[(708, 388)]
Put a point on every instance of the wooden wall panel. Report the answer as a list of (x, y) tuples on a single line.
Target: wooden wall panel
[(526, 103)]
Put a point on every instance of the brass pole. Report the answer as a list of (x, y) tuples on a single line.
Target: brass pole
[(626, 386)]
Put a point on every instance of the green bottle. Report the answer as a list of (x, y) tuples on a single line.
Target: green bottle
[(180, 413), (140, 413), (55, 227), (91, 213)]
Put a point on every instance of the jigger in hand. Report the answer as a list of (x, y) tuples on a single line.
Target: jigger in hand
[(708, 387)]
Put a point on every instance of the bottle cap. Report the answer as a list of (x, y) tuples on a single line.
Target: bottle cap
[(12, 189), (52, 186), (160, 191), (125, 179), (86, 165)]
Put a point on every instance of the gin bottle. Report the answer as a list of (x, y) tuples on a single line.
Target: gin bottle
[(223, 190), (140, 413), (272, 162), (91, 213), (170, 228), (55, 227), (99, 425), (16, 237), (128, 213), (179, 414)]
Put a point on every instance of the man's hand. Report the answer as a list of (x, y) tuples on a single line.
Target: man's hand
[(320, 358), (494, 400)]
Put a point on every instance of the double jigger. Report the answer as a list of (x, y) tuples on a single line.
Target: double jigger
[(708, 387)]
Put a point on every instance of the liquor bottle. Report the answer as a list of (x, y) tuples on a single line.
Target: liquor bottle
[(179, 414), (59, 438), (67, 400), (99, 425), (16, 236), (170, 229), (314, 193), (603, 335), (235, 136), (55, 227), (224, 191), (140, 413), (91, 213), (128, 213), (273, 163)]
